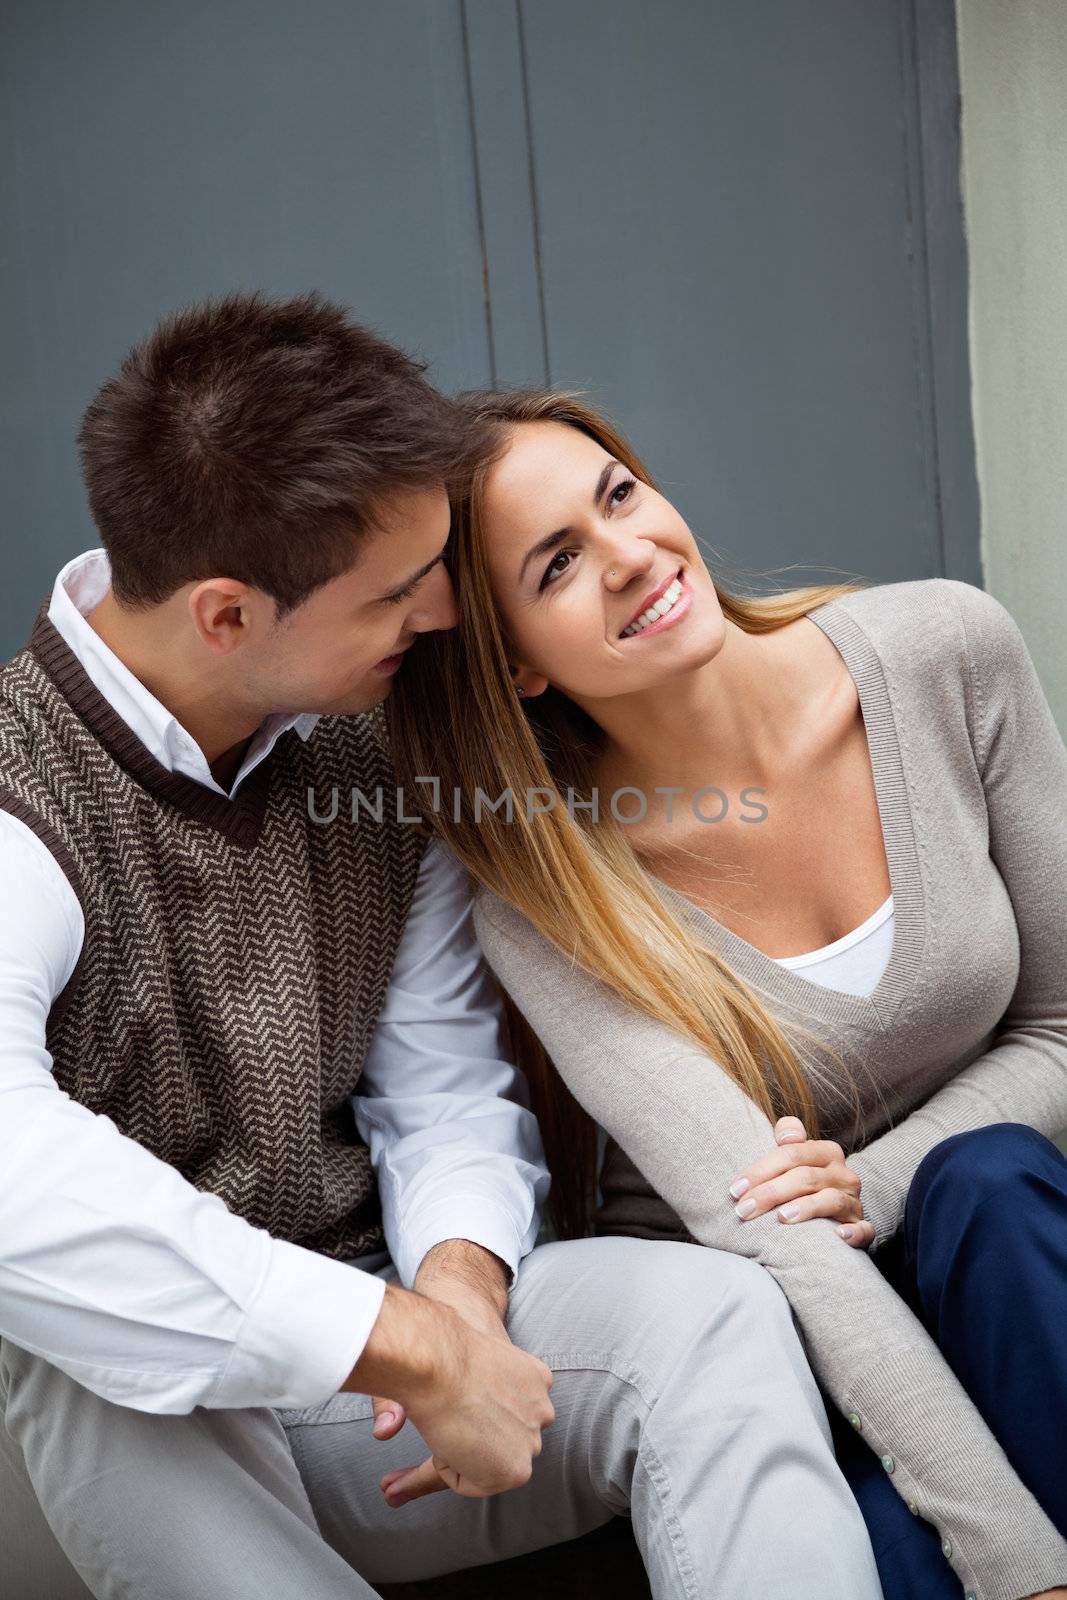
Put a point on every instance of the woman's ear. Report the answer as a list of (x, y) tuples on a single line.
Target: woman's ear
[(527, 684)]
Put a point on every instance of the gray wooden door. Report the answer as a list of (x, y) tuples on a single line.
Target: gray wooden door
[(737, 224)]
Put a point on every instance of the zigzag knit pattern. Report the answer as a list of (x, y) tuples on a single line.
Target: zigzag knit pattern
[(237, 953)]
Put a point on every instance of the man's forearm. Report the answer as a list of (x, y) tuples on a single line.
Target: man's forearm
[(417, 1335), (470, 1270), (412, 1347)]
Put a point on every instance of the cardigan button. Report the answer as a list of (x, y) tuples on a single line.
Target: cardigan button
[(946, 1549), (856, 1420), (913, 1508), (888, 1463)]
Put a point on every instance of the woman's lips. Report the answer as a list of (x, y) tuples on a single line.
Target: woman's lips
[(681, 606), (657, 594)]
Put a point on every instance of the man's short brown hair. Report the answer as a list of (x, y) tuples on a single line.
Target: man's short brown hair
[(253, 438)]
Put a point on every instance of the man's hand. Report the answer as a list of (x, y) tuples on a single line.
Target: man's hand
[(479, 1402), (470, 1280), (475, 1284)]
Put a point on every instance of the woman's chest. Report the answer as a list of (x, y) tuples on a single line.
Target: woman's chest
[(799, 865)]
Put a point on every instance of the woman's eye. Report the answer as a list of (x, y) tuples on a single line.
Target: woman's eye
[(617, 497), (548, 574)]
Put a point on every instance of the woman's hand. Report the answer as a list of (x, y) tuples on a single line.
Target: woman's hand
[(804, 1178)]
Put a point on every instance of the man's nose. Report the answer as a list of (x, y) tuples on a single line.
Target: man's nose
[(437, 607)]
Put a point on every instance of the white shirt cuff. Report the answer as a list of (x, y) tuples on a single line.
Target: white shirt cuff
[(462, 1216), (303, 1333)]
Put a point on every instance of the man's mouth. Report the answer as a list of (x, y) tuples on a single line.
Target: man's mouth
[(391, 663), (655, 606)]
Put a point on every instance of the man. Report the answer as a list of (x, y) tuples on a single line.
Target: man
[(262, 1156)]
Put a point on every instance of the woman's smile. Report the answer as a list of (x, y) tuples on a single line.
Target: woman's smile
[(670, 605)]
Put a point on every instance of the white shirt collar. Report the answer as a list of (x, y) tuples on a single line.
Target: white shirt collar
[(80, 586)]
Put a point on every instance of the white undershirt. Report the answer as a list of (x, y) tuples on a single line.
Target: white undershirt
[(856, 961), (155, 1295)]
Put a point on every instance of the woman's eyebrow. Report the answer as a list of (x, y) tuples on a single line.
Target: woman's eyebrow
[(551, 540)]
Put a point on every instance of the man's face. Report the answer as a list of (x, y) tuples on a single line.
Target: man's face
[(338, 652)]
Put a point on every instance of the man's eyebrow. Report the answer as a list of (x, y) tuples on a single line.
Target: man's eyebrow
[(551, 540), (415, 577)]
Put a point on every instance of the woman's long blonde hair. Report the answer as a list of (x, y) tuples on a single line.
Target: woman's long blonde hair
[(454, 714)]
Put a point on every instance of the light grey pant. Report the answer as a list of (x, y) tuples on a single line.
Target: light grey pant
[(682, 1399)]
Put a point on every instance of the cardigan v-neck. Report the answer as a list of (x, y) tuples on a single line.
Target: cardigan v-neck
[(791, 989)]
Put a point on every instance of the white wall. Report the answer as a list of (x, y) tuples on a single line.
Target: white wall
[(1013, 72)]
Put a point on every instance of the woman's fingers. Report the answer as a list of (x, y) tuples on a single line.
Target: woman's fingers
[(800, 1183), (788, 1157), (789, 1130), (860, 1235), (803, 1178), (833, 1203)]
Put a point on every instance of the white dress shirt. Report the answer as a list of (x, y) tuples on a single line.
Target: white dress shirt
[(152, 1293)]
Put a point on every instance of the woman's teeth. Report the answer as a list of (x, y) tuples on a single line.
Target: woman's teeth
[(666, 602)]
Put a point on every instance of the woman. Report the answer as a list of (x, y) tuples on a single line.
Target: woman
[(778, 866)]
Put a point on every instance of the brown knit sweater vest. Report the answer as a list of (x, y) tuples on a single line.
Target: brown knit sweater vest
[(237, 953)]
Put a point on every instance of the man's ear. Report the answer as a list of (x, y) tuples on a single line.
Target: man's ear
[(221, 610)]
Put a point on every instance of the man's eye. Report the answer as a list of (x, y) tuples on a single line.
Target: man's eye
[(547, 577)]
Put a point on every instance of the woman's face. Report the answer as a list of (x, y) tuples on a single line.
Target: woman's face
[(581, 556)]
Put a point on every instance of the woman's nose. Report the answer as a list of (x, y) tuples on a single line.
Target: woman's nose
[(627, 561)]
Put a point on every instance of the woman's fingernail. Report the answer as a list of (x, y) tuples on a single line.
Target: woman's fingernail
[(845, 1231), (738, 1188), (791, 1138), (384, 1419), (746, 1208), (787, 1213)]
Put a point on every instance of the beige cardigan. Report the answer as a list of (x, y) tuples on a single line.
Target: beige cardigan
[(967, 1026)]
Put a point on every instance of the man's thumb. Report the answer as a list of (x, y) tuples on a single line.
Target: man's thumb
[(389, 1417)]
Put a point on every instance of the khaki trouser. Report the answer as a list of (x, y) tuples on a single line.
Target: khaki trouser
[(682, 1400)]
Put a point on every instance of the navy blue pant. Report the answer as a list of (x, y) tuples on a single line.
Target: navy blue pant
[(982, 1261)]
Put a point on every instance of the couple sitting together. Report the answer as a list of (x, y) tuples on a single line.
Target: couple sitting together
[(768, 890)]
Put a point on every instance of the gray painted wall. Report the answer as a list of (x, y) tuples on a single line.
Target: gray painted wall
[(737, 225), (1013, 61)]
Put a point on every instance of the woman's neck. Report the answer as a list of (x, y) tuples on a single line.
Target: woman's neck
[(738, 719)]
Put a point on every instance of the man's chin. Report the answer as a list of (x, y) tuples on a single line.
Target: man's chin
[(370, 693)]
